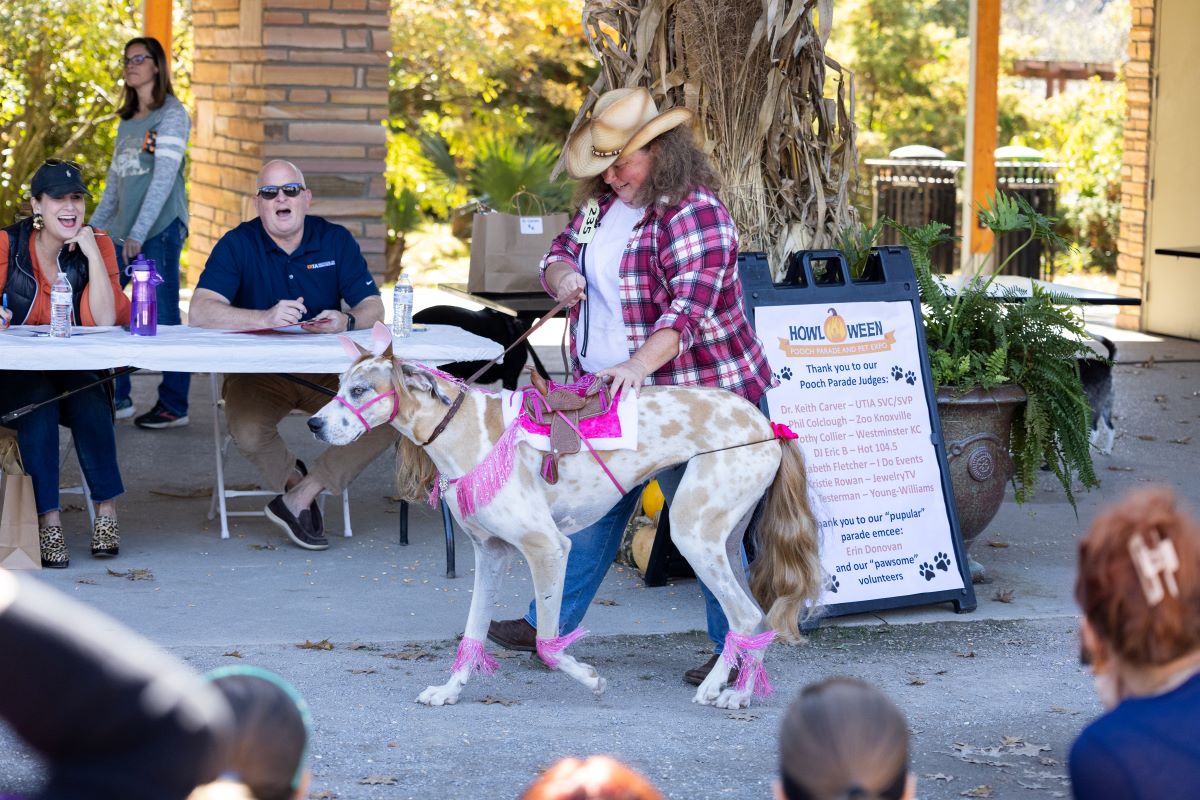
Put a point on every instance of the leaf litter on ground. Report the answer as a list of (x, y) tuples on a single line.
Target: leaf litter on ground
[(324, 644), (132, 574)]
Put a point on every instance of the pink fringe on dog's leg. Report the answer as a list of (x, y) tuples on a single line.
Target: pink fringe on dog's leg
[(473, 655), (736, 655), (434, 492), (547, 649)]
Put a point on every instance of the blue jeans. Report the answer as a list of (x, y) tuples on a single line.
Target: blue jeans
[(164, 249), (593, 550), (89, 416)]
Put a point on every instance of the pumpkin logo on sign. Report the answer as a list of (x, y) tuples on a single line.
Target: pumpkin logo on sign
[(835, 327)]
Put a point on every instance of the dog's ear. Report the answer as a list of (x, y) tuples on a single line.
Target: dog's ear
[(418, 380), (381, 340), (352, 348)]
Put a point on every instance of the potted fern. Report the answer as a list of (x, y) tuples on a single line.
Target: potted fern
[(1006, 372)]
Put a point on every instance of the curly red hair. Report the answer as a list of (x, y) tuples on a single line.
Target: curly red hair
[(1109, 590), (596, 778)]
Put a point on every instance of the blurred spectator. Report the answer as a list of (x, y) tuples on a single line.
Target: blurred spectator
[(1139, 590), (595, 778), (113, 715), (843, 738), (272, 728)]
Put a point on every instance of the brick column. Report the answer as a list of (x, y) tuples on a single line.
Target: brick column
[(302, 80), (1135, 176)]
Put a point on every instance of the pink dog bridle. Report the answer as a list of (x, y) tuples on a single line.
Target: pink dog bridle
[(358, 411)]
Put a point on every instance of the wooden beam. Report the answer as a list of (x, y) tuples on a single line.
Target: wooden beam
[(156, 22), (982, 121)]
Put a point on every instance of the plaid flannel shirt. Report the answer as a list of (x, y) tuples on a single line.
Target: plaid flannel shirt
[(679, 271)]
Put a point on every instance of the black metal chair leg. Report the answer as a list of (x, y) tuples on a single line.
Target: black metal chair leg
[(404, 523), (448, 524)]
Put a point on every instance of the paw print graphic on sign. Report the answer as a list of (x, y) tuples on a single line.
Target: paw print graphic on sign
[(942, 562), (897, 373), (927, 571), (832, 584), (786, 373), (910, 377)]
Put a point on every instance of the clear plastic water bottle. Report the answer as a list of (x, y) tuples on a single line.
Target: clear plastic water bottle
[(61, 303), (402, 306)]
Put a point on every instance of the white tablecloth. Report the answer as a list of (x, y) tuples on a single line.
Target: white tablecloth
[(178, 348)]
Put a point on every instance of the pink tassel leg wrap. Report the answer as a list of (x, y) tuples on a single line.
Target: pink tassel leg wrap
[(548, 649), (472, 655), (736, 654)]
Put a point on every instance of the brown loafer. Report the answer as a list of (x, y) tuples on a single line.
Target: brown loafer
[(513, 634), (696, 676), (298, 529)]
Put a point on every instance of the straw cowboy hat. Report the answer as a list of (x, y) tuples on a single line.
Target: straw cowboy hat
[(624, 120)]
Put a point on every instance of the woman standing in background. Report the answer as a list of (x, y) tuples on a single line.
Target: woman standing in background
[(144, 205)]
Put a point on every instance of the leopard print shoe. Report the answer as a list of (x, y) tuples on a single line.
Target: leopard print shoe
[(106, 537), (54, 547)]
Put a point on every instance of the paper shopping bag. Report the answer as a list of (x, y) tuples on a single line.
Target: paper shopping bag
[(19, 547), (506, 250)]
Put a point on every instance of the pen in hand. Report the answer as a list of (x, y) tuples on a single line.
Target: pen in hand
[(4, 313)]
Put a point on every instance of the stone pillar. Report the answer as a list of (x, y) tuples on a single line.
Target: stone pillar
[(1135, 177), (302, 80)]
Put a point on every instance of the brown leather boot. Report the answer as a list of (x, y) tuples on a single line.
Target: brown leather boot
[(696, 676), (513, 634)]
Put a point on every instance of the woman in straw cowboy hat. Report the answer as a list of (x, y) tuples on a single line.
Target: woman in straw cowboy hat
[(655, 253)]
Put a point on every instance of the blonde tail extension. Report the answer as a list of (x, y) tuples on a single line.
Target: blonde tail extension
[(787, 569)]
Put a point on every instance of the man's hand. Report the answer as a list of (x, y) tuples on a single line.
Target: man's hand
[(285, 312), (327, 322), (5, 317), (631, 374)]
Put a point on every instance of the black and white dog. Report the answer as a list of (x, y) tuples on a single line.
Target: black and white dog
[(1096, 375)]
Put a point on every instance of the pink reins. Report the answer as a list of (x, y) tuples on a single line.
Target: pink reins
[(358, 411)]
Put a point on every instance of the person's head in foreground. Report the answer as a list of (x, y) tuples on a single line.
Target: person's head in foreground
[(843, 738), (1139, 590), (594, 778), (272, 728)]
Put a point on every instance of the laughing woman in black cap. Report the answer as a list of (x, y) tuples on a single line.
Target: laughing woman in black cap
[(32, 252)]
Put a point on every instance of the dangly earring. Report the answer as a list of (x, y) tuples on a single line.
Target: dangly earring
[(38, 223)]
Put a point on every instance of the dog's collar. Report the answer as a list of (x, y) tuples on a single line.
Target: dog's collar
[(358, 411), (450, 412)]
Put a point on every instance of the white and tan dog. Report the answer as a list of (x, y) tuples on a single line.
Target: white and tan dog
[(716, 495)]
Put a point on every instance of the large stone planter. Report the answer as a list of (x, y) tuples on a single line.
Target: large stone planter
[(975, 429)]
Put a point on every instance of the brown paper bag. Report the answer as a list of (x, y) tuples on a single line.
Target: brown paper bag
[(19, 547), (506, 250)]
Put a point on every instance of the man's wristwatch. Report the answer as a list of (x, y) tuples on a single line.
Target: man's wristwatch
[(349, 320)]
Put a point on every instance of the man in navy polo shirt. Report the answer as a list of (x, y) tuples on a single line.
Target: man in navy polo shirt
[(283, 268)]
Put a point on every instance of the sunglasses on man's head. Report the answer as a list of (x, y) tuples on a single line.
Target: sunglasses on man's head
[(59, 162), (133, 61), (288, 189)]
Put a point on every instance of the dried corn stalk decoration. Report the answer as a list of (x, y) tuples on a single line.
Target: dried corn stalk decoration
[(754, 71)]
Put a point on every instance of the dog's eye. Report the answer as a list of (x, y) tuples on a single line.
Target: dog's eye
[(357, 392)]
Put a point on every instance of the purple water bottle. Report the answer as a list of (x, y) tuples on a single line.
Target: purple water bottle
[(144, 316)]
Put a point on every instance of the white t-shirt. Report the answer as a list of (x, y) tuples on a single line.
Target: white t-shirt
[(604, 342)]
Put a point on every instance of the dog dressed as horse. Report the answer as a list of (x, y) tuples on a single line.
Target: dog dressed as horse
[(457, 443)]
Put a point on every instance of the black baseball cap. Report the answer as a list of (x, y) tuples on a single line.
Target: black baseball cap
[(57, 178)]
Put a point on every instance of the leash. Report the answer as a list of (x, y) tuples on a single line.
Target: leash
[(462, 394), (26, 409)]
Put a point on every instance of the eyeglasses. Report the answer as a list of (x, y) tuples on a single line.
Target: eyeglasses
[(288, 189), (133, 61), (60, 162)]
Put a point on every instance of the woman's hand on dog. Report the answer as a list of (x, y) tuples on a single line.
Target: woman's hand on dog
[(631, 374)]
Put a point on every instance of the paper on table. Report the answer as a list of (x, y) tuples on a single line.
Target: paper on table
[(303, 327)]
